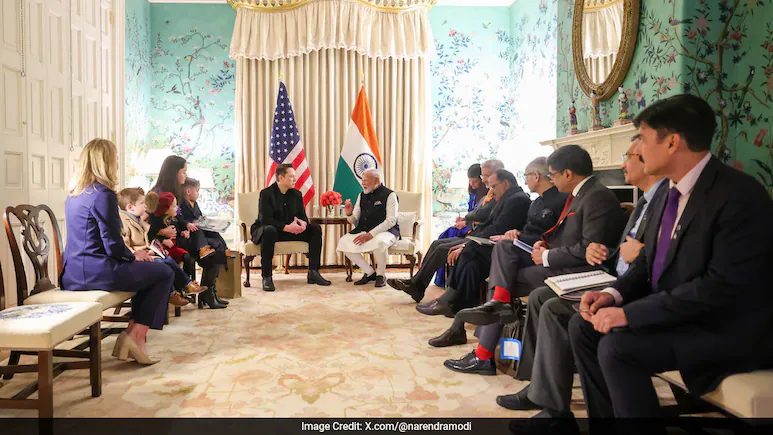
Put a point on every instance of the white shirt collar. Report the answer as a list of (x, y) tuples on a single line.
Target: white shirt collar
[(687, 183), (650, 193), (577, 188)]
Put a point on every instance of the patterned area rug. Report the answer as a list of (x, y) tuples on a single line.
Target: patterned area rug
[(302, 351)]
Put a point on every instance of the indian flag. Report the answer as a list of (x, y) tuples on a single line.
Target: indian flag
[(360, 151)]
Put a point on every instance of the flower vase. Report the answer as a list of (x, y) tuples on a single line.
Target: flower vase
[(330, 211)]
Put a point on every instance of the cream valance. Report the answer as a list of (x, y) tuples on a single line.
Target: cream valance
[(300, 27), (602, 29)]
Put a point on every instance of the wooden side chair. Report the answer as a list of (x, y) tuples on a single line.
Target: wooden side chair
[(37, 246), (38, 330), (248, 212)]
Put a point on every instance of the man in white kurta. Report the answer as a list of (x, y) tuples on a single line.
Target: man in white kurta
[(374, 217)]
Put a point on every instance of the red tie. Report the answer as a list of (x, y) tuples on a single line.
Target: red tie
[(561, 218)]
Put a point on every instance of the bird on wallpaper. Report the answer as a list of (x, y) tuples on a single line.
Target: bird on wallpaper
[(674, 22), (196, 103), (485, 26), (504, 123), (444, 22), (215, 91), (749, 80), (173, 90), (167, 22), (200, 122), (189, 58)]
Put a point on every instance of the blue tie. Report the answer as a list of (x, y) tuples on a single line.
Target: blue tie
[(664, 241)]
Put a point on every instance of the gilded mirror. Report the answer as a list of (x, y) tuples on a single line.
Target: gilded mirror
[(604, 36)]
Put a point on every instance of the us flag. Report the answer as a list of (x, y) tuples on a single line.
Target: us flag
[(286, 146)]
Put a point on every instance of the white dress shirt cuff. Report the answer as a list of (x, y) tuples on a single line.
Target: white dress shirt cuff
[(615, 294), (545, 258)]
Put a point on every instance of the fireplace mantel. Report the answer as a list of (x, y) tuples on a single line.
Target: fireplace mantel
[(606, 147)]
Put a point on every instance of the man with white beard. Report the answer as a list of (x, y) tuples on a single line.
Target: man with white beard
[(374, 217)]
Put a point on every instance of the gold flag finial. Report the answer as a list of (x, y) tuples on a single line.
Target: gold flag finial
[(280, 76), (362, 78)]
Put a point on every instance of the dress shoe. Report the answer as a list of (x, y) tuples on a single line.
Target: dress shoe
[(518, 401), (433, 308), (449, 338), (194, 287), (366, 279), (206, 251), (472, 364), (486, 314), (315, 278), (178, 300), (129, 349), (268, 284), (208, 298), (407, 286), (380, 281)]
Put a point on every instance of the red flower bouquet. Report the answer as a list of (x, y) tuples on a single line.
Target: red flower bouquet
[(330, 199)]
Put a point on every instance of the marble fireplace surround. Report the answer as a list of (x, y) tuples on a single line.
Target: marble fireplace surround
[(606, 148)]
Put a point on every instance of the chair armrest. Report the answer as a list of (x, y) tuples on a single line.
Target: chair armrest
[(244, 232), (416, 226)]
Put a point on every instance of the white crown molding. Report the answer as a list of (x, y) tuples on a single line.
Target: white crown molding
[(190, 1), (469, 3)]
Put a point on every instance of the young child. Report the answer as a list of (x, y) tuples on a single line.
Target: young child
[(135, 234), (162, 209), (191, 212)]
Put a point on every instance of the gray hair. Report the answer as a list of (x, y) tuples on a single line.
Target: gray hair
[(493, 164), (538, 165), (375, 172)]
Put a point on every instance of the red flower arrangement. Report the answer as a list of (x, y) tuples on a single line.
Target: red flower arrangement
[(330, 199)]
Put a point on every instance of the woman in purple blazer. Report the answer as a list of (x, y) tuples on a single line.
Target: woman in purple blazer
[(96, 258)]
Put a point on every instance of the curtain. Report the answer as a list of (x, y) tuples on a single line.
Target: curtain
[(322, 87), (602, 30)]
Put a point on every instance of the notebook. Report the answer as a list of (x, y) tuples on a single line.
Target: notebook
[(525, 246), (158, 248), (573, 285), (214, 225), (481, 240)]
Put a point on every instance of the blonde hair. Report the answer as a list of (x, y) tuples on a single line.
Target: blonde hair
[(97, 164), (151, 202)]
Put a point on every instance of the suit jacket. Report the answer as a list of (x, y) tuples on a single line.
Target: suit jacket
[(134, 234), (277, 210), (660, 195), (508, 213), (713, 298), (543, 214), (594, 216), (190, 212), (95, 248), (480, 214)]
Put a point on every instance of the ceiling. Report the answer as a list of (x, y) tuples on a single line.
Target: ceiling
[(440, 2)]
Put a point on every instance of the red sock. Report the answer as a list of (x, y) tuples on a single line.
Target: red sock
[(483, 353), (501, 294)]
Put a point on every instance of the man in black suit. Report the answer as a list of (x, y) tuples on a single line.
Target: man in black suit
[(510, 211), (473, 265), (591, 214), (697, 299), (281, 218), (550, 366)]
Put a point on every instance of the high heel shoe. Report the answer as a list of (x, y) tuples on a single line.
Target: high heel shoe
[(131, 349), (119, 343), (217, 297), (208, 298)]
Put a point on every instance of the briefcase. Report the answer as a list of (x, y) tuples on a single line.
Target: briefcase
[(229, 281)]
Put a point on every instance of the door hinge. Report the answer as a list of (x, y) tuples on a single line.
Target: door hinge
[(112, 18)]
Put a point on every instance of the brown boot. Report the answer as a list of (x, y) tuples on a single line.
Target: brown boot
[(206, 251), (194, 287), (177, 300)]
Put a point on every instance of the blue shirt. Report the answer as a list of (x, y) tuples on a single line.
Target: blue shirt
[(622, 266)]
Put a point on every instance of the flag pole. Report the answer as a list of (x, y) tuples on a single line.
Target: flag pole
[(280, 75), (362, 78)]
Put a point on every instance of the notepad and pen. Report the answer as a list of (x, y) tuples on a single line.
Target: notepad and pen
[(572, 286), (481, 240)]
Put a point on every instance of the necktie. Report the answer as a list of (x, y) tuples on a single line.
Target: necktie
[(666, 228), (564, 212)]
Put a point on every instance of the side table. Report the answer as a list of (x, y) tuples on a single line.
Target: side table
[(345, 226)]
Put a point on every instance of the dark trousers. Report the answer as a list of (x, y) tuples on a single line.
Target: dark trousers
[(471, 269), (152, 283), (436, 257), (181, 279), (271, 235), (616, 369)]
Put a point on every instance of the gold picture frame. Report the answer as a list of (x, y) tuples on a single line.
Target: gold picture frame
[(604, 91)]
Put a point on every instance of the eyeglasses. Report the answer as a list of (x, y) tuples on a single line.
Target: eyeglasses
[(627, 156), (552, 175), (526, 175)]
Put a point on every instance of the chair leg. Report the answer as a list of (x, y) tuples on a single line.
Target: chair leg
[(12, 361), (419, 257), (95, 360), (178, 311), (247, 260), (46, 384), (412, 260), (287, 264)]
